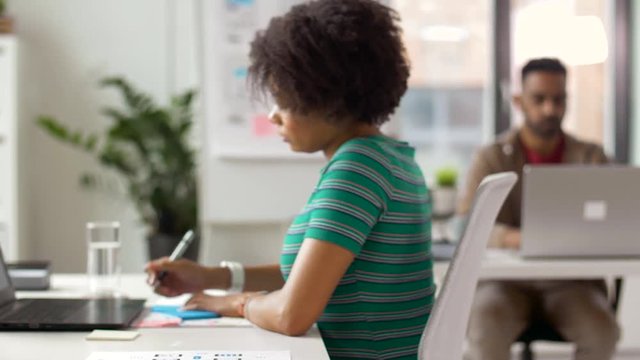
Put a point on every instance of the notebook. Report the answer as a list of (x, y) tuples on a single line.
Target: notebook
[(192, 355), (177, 311), (62, 314)]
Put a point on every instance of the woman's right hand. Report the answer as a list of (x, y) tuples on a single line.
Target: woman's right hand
[(181, 276)]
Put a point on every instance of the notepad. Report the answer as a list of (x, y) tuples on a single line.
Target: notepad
[(177, 311), (112, 335), (192, 355)]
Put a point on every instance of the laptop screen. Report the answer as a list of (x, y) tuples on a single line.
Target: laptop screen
[(4, 275), (4, 278), (6, 290)]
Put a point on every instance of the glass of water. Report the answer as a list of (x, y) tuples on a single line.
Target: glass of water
[(103, 265)]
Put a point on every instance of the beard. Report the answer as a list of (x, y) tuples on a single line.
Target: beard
[(547, 128)]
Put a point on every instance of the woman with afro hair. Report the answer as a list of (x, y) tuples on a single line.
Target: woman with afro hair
[(356, 260)]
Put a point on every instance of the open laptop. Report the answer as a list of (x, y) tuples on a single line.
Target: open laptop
[(62, 314), (581, 211)]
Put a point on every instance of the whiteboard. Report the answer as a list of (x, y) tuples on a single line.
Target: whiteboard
[(239, 124), (248, 173)]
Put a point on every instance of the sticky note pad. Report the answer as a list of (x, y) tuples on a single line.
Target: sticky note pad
[(157, 320), (177, 311), (112, 335)]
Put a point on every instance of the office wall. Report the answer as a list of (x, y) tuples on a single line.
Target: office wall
[(65, 47)]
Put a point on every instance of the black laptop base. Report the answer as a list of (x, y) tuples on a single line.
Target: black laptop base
[(69, 314)]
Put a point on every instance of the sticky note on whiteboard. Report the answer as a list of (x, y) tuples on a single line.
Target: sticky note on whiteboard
[(262, 126)]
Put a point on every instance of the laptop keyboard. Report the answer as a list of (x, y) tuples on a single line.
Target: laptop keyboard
[(50, 311)]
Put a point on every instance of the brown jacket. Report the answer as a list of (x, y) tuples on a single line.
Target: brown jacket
[(507, 154)]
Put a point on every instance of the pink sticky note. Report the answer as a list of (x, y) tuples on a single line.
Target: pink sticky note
[(158, 323), (155, 320), (262, 126)]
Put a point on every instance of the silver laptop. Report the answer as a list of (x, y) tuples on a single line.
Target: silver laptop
[(581, 211)]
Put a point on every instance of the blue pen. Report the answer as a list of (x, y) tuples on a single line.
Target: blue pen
[(182, 246)]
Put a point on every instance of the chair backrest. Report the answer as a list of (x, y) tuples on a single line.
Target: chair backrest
[(444, 335)]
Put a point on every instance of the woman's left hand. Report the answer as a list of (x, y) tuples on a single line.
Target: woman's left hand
[(228, 305)]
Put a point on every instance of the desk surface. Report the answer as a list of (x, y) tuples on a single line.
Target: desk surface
[(507, 265), (72, 345)]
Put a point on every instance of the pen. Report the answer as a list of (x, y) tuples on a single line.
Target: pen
[(182, 246)]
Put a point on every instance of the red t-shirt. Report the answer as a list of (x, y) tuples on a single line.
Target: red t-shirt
[(555, 157)]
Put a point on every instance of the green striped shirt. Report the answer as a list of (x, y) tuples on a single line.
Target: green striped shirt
[(372, 200)]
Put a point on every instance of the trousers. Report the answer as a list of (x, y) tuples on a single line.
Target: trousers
[(578, 309)]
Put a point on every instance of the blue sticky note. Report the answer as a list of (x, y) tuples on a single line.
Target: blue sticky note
[(183, 314)]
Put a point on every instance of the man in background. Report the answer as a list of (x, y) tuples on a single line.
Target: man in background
[(502, 310)]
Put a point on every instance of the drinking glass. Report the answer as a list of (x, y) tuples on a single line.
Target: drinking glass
[(103, 265)]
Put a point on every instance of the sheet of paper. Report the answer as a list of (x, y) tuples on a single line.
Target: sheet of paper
[(176, 300), (192, 355), (219, 322), (182, 299)]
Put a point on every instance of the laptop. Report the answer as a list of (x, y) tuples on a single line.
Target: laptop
[(580, 211), (62, 314)]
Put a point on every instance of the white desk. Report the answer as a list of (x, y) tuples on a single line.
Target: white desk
[(58, 345), (507, 265), (72, 345)]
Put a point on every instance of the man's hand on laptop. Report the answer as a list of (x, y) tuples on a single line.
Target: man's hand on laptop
[(511, 239)]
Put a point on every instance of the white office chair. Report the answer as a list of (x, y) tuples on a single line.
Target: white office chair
[(444, 335)]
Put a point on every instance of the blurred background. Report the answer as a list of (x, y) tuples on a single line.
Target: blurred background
[(465, 59), (465, 55)]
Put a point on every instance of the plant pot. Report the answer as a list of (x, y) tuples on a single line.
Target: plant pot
[(6, 25), (160, 245), (444, 201)]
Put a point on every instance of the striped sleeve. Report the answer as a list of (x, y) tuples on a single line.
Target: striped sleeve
[(348, 201)]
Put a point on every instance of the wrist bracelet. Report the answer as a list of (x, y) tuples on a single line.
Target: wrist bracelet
[(237, 275)]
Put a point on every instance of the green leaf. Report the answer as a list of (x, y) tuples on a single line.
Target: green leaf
[(88, 180), (90, 142), (148, 147), (53, 127), (60, 132), (137, 102)]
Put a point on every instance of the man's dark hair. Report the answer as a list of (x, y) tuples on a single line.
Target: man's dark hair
[(544, 65), (342, 57)]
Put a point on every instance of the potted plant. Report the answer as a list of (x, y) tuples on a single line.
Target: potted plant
[(148, 147), (6, 22), (444, 196)]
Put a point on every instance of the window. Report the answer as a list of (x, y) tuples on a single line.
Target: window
[(575, 32), (443, 112)]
